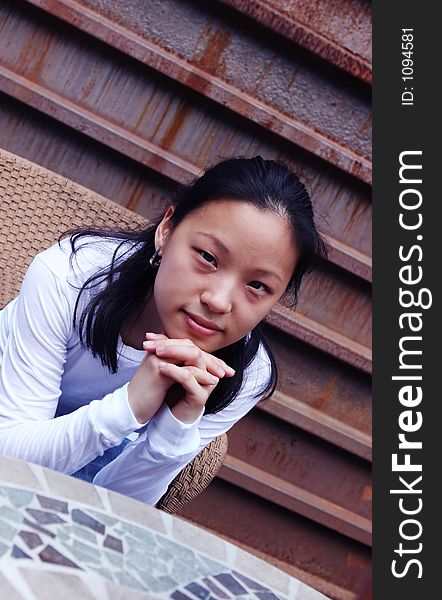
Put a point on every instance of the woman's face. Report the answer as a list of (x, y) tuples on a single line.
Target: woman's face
[(222, 270)]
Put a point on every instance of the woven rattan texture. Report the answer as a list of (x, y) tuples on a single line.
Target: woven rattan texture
[(36, 206), (195, 477)]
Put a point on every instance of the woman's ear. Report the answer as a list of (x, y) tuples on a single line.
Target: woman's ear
[(164, 228)]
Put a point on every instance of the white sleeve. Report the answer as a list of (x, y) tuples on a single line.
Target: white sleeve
[(149, 464), (31, 369)]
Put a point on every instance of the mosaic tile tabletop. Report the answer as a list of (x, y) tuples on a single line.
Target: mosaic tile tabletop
[(62, 536)]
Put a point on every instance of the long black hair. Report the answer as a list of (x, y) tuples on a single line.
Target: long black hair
[(127, 282)]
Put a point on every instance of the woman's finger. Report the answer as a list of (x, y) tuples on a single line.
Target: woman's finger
[(186, 351), (215, 361), (197, 383), (203, 377), (213, 364), (189, 355), (156, 336)]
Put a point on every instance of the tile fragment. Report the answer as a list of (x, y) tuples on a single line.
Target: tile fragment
[(135, 559), (139, 534), (18, 498), (38, 528), (125, 578), (149, 580), (266, 595), (11, 514), (102, 571), (83, 518), (32, 540), (198, 590), (215, 589), (177, 595), (252, 585), (127, 508), (79, 531), (44, 517), (114, 559), (179, 552), (19, 472), (104, 517), (230, 583), (17, 552), (207, 566), (53, 504), (113, 543), (3, 548), (7, 531), (51, 555), (82, 552), (164, 583)]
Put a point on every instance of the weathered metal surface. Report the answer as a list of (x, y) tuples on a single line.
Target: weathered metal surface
[(319, 422), (321, 336), (339, 301), (320, 394), (278, 91), (295, 498), (294, 469), (28, 133), (350, 259), (343, 205), (338, 31), (332, 564)]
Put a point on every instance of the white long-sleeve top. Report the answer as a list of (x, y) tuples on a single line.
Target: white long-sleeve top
[(61, 408)]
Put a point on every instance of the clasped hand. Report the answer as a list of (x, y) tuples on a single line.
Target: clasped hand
[(174, 361)]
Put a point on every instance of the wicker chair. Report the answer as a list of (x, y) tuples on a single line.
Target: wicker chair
[(36, 205)]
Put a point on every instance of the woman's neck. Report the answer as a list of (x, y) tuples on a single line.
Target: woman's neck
[(134, 329)]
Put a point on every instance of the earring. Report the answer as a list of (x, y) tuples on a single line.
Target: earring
[(155, 259)]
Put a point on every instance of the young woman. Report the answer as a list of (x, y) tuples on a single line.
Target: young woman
[(154, 334)]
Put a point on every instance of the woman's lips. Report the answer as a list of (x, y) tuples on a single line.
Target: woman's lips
[(200, 325)]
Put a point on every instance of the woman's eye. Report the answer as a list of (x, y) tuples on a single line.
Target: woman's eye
[(208, 257), (257, 285)]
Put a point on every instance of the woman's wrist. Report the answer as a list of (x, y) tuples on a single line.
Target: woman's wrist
[(142, 409), (184, 412)]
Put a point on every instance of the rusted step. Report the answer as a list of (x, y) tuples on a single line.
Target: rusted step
[(294, 469), (318, 422), (320, 394), (321, 336), (200, 56), (295, 498), (328, 32)]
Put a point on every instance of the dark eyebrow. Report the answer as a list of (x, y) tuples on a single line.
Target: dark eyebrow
[(215, 240), (269, 273), (219, 244)]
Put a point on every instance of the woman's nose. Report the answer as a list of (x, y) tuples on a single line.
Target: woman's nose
[(219, 298)]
